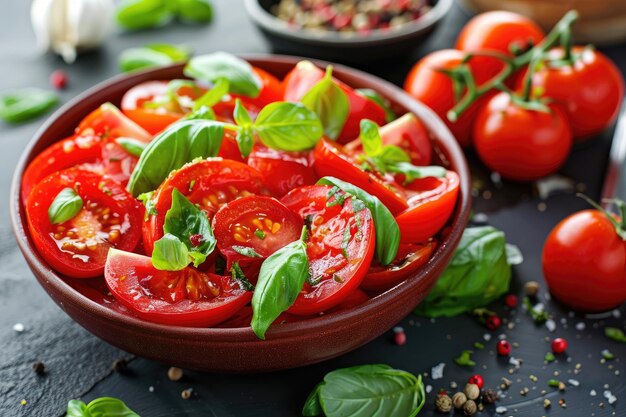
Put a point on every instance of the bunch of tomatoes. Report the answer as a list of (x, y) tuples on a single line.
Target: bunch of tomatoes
[(520, 97)]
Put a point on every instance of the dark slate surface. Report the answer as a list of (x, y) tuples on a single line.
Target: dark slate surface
[(79, 364)]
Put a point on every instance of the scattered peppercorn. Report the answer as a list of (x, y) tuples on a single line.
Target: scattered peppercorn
[(559, 345), (493, 322), (546, 403), (58, 79), (399, 337), (504, 348), (469, 408), (174, 373), (186, 393), (39, 368), (476, 379), (443, 403), (471, 391), (458, 400), (531, 289), (510, 301), (490, 396), (120, 365)]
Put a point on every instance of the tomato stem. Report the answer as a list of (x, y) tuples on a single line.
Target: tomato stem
[(620, 227)]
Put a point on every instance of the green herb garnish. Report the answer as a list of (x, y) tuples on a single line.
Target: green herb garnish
[(65, 206)]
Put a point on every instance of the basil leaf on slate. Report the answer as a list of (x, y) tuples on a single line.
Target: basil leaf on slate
[(288, 126), (373, 95), (156, 55), (330, 103), (142, 14), (25, 104), (132, 146), (239, 73), (66, 205), (312, 406), (170, 254), (76, 408), (387, 230), (197, 11), (177, 53), (109, 407), (281, 279)]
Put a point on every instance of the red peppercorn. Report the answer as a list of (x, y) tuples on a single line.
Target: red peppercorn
[(399, 337), (477, 380), (559, 345), (504, 348), (58, 79), (492, 322), (196, 239), (511, 300)]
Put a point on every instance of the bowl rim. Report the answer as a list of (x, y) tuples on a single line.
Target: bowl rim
[(279, 27), (277, 333)]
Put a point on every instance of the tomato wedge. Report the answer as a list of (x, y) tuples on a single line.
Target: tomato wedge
[(431, 202), (340, 246), (329, 159), (295, 168), (410, 258), (210, 183), (181, 298), (109, 122), (260, 223), (78, 247)]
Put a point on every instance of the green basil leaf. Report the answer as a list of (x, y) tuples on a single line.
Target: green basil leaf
[(170, 254), (281, 279), (185, 220), (148, 202), (370, 138), (239, 276), (477, 275), (387, 230), (21, 105), (109, 407), (132, 146), (177, 53), (134, 59), (241, 115), (66, 205), (77, 408), (214, 95), (202, 113), (197, 11), (513, 255), (312, 406), (465, 359), (246, 251), (393, 154), (373, 95), (180, 143), (330, 103), (288, 126), (245, 141), (615, 334), (412, 172), (142, 14), (239, 73)]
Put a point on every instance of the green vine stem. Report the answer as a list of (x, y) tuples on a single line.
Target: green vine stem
[(620, 227)]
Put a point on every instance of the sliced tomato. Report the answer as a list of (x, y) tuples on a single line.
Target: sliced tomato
[(110, 217), (118, 163), (179, 298), (210, 184), (406, 132), (410, 258), (260, 223), (431, 202), (340, 247), (229, 148), (109, 122), (294, 169), (305, 75), (330, 159)]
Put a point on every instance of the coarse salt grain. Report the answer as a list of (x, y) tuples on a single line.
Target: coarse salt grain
[(501, 410), (436, 372), (580, 326), (550, 325), (573, 382), (428, 389), (593, 393), (487, 337), (18, 327), (151, 388)]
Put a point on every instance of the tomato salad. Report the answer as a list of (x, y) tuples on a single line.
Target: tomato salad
[(233, 198)]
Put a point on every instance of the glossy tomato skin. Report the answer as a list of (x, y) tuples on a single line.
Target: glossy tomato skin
[(330, 159), (272, 89), (432, 87), (109, 122), (584, 262), (110, 217), (406, 132), (520, 144), (431, 203), (178, 298), (151, 119), (590, 91), (282, 171), (210, 183), (305, 75), (336, 268)]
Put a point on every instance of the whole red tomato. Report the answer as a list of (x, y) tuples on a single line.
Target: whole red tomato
[(521, 144), (584, 262), (590, 90), (428, 83)]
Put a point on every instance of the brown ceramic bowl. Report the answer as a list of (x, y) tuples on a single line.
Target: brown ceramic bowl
[(238, 349)]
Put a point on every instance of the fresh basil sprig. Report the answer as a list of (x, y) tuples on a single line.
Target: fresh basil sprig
[(367, 390), (214, 95), (373, 95), (170, 254), (100, 407), (132, 146), (239, 73), (330, 103), (281, 279), (155, 55), (387, 230), (66, 205), (22, 105), (288, 126)]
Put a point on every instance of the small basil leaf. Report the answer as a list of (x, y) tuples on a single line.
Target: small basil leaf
[(170, 254), (142, 14), (185, 220), (177, 53), (288, 126), (109, 407), (281, 279), (180, 143), (513, 255), (245, 142), (387, 230), (412, 172), (373, 95), (66, 205), (393, 153), (239, 276), (615, 333), (312, 406), (132, 146), (197, 11), (202, 113), (330, 103), (21, 105), (241, 115), (246, 251), (370, 138), (239, 73), (146, 199), (134, 59), (214, 95), (77, 408)]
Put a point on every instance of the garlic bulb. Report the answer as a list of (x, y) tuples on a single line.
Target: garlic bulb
[(67, 26)]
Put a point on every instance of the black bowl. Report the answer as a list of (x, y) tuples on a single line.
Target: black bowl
[(344, 47)]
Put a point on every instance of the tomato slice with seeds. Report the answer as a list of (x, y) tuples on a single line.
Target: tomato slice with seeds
[(431, 202), (179, 298), (261, 223), (340, 246), (330, 159), (118, 163), (109, 122), (78, 247), (210, 184), (411, 257)]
